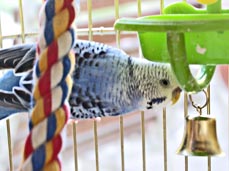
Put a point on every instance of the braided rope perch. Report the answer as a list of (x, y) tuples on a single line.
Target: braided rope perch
[(52, 86)]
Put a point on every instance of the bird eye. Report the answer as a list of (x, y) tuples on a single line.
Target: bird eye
[(164, 82)]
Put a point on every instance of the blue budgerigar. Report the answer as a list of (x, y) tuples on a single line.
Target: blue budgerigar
[(107, 81)]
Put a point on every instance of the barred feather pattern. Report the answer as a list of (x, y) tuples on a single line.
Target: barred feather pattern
[(108, 82)]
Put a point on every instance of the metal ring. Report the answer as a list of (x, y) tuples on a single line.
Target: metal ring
[(198, 107)]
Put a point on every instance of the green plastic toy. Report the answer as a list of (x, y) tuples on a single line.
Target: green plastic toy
[(184, 35)]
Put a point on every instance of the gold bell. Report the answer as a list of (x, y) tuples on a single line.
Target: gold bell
[(200, 138)]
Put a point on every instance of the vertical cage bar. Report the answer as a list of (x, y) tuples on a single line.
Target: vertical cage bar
[(0, 32), (228, 104), (209, 163), (9, 145), (164, 115), (9, 140), (96, 145), (121, 119), (75, 148), (89, 8), (185, 114), (22, 21), (208, 105), (139, 7), (116, 3), (7, 121), (142, 112), (161, 6), (165, 139), (122, 143), (118, 38), (90, 37), (208, 112), (143, 141)]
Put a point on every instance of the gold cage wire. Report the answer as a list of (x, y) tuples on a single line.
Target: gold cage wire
[(89, 33)]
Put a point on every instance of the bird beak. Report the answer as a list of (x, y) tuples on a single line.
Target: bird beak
[(176, 95)]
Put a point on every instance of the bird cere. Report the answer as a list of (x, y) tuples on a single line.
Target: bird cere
[(106, 81)]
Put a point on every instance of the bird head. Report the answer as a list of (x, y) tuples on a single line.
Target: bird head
[(164, 88)]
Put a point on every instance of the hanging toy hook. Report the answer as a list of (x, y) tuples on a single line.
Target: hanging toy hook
[(197, 106)]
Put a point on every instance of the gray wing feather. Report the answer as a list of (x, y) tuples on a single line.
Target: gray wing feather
[(14, 97), (9, 104), (19, 57)]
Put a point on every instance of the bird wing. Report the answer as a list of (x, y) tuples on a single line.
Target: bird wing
[(14, 95), (9, 104), (9, 100), (18, 57)]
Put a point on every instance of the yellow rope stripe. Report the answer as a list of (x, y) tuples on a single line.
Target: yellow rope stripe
[(60, 120), (36, 92), (49, 148), (52, 166), (69, 84), (59, 5), (39, 110), (43, 63), (72, 59), (60, 25)]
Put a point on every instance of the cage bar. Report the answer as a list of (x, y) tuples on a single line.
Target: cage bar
[(185, 115), (162, 4), (208, 113), (139, 7), (96, 145), (75, 147), (116, 4), (11, 167), (9, 140), (228, 102), (22, 21), (164, 116), (1, 38), (143, 141), (122, 143), (121, 119), (165, 140), (90, 37), (90, 24)]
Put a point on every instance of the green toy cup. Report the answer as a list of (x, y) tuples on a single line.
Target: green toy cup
[(183, 36)]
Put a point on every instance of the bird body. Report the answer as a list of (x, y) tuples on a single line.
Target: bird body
[(106, 81)]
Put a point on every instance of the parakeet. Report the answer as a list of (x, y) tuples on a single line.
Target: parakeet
[(106, 81)]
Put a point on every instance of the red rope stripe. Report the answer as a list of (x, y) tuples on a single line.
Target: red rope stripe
[(52, 86)]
